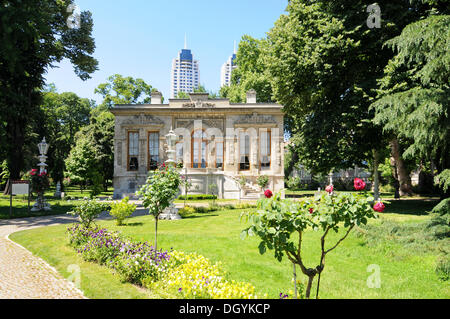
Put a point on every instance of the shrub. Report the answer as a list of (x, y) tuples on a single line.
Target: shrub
[(439, 224), (88, 210), (121, 210), (293, 183), (262, 181), (186, 211)]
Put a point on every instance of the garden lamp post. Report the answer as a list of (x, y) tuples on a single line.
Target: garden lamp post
[(40, 200), (170, 212), (171, 139), (43, 148)]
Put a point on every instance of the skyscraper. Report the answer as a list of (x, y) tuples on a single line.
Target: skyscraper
[(185, 75), (227, 67)]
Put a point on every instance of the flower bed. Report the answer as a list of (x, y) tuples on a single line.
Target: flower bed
[(186, 275)]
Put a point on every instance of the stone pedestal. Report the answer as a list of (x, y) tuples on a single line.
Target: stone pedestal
[(58, 190), (170, 213)]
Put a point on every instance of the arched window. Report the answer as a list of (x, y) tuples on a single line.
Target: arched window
[(199, 149)]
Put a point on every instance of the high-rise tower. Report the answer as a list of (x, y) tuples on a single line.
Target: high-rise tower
[(227, 67), (185, 76)]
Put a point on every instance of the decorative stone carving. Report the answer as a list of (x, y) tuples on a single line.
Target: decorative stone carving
[(119, 153), (255, 118), (143, 119), (198, 104)]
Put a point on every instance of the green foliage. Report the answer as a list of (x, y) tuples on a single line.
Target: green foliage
[(250, 72), (197, 197), (439, 224), (39, 182), (62, 116), (160, 189), (414, 92), (186, 211), (276, 220), (91, 160), (35, 37), (4, 172), (121, 210), (88, 210), (262, 180), (442, 268), (124, 90)]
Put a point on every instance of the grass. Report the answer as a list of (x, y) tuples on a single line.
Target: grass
[(20, 203), (403, 273)]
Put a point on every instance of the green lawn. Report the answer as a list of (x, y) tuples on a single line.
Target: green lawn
[(403, 273), (20, 203)]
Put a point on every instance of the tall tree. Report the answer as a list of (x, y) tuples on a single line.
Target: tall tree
[(250, 72), (415, 93), (124, 90), (63, 115), (35, 35), (324, 62)]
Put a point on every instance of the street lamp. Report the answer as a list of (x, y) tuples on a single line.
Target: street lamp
[(43, 148), (171, 139), (40, 200), (170, 212)]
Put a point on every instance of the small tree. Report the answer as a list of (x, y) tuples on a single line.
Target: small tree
[(213, 189), (276, 220), (88, 210), (121, 210), (262, 181), (159, 191), (186, 184)]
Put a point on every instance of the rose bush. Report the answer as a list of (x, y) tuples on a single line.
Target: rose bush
[(39, 181), (276, 220)]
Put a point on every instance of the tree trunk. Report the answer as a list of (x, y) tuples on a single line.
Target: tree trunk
[(403, 176), (16, 139), (376, 180), (308, 287)]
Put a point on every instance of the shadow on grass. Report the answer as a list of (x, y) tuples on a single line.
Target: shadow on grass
[(416, 207), (199, 216), (133, 224)]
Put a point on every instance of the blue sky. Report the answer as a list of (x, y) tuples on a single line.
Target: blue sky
[(139, 38)]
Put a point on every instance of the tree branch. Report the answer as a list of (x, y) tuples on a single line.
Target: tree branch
[(340, 240)]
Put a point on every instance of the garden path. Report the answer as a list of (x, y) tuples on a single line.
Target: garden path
[(25, 276)]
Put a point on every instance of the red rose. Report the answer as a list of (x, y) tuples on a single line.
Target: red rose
[(378, 207), (268, 193), (311, 210), (359, 184), (329, 188)]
